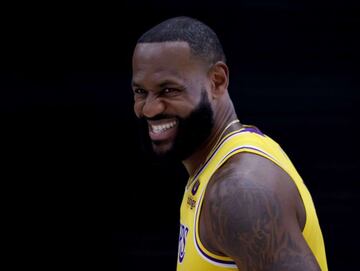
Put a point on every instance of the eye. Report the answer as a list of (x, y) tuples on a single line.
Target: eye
[(139, 91), (169, 91)]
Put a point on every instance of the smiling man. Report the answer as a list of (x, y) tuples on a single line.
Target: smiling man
[(188, 120), (245, 207)]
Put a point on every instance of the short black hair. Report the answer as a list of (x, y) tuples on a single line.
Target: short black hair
[(202, 40)]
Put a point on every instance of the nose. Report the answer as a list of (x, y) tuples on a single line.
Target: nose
[(153, 106)]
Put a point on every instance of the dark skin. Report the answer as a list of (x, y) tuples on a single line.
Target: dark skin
[(252, 211)]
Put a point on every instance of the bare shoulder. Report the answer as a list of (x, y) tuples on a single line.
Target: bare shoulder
[(252, 211)]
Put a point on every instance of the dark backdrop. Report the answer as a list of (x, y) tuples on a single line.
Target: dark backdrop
[(78, 192)]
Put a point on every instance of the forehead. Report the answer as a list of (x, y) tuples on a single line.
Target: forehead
[(171, 59)]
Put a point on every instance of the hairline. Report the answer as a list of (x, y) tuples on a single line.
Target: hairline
[(193, 53)]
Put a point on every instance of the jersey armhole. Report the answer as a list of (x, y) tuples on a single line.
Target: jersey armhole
[(221, 261)]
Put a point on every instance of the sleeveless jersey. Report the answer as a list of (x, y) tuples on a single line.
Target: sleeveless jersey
[(192, 255)]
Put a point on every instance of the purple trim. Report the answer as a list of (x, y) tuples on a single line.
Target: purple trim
[(246, 147), (195, 187), (253, 129)]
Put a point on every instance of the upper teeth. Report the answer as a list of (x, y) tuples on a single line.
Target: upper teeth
[(162, 127)]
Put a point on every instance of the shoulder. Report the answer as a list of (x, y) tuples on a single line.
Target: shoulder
[(249, 175), (251, 206), (249, 187)]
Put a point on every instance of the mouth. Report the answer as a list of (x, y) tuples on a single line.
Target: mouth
[(163, 129)]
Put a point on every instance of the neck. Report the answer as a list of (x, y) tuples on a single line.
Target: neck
[(220, 129)]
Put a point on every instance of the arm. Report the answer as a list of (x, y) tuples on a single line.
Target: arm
[(251, 211)]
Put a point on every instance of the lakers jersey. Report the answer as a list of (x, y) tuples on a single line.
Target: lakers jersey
[(192, 255)]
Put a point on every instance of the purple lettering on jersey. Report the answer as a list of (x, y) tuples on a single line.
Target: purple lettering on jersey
[(182, 241)]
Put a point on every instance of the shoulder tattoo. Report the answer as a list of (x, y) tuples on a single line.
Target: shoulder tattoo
[(249, 223)]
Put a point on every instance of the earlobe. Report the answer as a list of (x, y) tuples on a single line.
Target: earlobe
[(219, 76)]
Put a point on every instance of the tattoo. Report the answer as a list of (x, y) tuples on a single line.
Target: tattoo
[(249, 223)]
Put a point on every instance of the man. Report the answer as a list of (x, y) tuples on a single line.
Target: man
[(245, 207)]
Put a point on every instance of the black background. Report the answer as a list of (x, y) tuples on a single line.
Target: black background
[(79, 193)]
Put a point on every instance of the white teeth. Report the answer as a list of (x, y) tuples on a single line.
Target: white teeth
[(163, 127)]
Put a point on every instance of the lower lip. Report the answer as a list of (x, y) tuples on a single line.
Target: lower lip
[(162, 136)]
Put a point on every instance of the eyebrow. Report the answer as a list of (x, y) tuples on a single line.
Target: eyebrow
[(161, 85), (168, 82), (135, 83)]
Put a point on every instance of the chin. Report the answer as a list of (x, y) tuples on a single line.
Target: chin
[(161, 149)]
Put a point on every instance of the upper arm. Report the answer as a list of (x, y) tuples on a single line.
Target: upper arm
[(253, 217)]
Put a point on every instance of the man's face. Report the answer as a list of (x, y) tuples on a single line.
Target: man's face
[(170, 96)]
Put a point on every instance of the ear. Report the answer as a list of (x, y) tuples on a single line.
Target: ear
[(219, 79)]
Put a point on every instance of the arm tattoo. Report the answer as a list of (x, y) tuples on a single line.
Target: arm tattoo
[(250, 226)]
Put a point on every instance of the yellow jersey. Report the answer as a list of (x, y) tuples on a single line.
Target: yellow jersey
[(192, 255)]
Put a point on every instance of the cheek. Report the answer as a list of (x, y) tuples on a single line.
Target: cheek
[(137, 109)]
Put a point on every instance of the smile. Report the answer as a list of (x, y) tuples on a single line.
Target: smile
[(160, 128)]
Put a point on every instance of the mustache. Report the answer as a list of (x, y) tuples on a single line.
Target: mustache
[(159, 117)]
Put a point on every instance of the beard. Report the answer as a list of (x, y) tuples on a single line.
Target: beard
[(192, 132)]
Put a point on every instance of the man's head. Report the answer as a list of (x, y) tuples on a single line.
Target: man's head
[(201, 39), (179, 74)]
